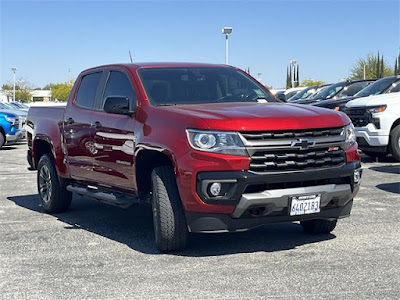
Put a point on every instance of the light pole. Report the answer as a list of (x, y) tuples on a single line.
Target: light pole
[(14, 69), (293, 62), (226, 31)]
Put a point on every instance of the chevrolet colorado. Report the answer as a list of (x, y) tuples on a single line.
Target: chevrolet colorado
[(207, 145)]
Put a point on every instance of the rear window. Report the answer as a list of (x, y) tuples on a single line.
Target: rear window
[(87, 90), (187, 85)]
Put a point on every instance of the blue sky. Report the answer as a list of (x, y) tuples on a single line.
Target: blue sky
[(46, 39)]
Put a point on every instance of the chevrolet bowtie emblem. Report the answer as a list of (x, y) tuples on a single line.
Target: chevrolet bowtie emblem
[(302, 143)]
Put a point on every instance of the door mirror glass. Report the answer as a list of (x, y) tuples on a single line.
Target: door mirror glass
[(117, 105)]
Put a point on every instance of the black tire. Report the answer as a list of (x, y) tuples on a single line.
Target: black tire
[(318, 226), (169, 221), (394, 144), (2, 140), (375, 154), (53, 196)]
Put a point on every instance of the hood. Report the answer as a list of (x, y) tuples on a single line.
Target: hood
[(382, 99), (7, 113), (260, 116), (17, 112), (328, 102)]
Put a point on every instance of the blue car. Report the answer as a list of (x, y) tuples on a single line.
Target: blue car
[(9, 128)]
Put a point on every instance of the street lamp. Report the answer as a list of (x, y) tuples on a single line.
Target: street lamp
[(293, 62), (14, 69), (226, 31)]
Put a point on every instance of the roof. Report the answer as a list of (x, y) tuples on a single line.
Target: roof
[(163, 65)]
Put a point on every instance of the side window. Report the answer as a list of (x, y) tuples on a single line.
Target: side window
[(87, 90), (118, 84)]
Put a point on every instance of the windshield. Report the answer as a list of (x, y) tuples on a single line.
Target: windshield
[(304, 93), (197, 85), (330, 91), (5, 106), (377, 87), (353, 88)]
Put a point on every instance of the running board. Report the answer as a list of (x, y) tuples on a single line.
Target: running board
[(105, 196)]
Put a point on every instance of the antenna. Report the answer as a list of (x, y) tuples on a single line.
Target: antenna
[(130, 55)]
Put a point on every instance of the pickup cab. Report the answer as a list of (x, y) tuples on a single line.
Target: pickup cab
[(207, 145), (9, 128), (377, 123)]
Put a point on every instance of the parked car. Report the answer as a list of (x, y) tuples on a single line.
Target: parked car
[(338, 90), (307, 92), (9, 128), (19, 105), (377, 124), (385, 85), (285, 95), (5, 107), (207, 145)]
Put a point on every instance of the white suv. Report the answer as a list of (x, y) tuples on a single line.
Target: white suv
[(377, 123)]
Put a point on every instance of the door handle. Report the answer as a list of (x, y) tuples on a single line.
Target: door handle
[(96, 124), (69, 121)]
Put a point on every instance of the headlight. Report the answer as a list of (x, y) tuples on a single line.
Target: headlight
[(350, 135), (216, 141), (9, 119), (377, 109)]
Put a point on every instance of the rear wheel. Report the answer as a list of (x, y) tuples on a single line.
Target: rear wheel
[(169, 219), (2, 139), (394, 144), (318, 226), (53, 196)]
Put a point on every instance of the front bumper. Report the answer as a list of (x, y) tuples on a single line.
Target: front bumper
[(372, 136), (204, 223), (263, 199), (19, 135)]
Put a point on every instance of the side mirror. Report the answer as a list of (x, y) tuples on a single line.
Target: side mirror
[(117, 105), (281, 96)]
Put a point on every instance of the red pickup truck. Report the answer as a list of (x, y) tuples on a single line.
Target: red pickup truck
[(207, 145)]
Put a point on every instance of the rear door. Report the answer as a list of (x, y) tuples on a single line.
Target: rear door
[(114, 135), (78, 140)]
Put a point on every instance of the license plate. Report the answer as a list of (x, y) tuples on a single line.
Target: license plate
[(304, 205)]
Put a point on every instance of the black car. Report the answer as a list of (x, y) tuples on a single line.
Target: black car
[(338, 90), (385, 85)]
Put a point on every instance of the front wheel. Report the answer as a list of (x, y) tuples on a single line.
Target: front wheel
[(169, 219), (394, 144), (318, 226), (53, 196), (2, 140)]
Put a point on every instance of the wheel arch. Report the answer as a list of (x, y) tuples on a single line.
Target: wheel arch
[(146, 161)]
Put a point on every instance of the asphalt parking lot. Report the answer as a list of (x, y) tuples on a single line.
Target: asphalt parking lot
[(95, 251)]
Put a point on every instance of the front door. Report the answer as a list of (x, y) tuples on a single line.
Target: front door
[(114, 137)]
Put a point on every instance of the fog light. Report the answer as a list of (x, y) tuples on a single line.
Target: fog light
[(357, 176), (215, 189)]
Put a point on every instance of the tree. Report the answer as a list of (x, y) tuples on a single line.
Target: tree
[(396, 70), (297, 77), (371, 68), (310, 82), (22, 90), (60, 91)]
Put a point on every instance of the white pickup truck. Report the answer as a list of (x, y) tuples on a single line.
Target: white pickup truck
[(377, 123)]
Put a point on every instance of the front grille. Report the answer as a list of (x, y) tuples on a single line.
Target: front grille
[(294, 150), (292, 160), (264, 136), (358, 116)]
